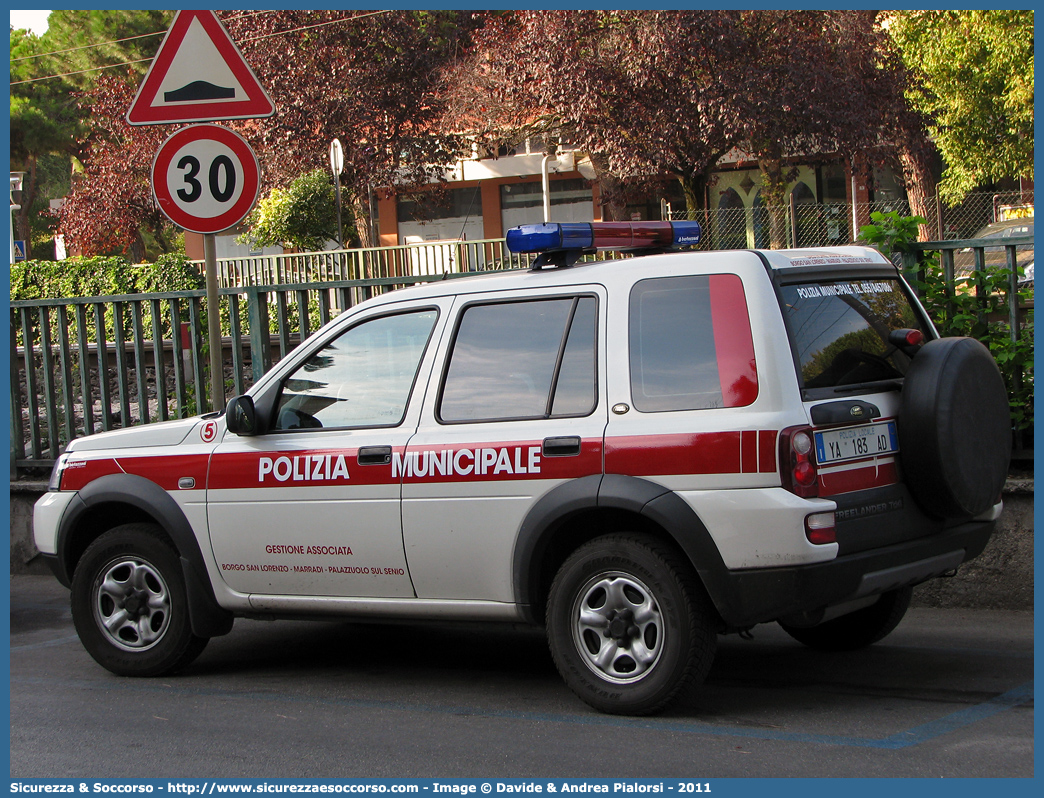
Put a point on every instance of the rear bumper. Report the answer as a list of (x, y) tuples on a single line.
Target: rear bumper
[(761, 595)]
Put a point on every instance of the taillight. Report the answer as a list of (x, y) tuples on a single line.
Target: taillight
[(821, 528), (797, 462)]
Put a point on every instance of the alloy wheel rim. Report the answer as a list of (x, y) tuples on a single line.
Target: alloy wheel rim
[(131, 603), (618, 627)]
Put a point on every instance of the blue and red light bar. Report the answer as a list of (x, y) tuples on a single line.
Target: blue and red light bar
[(560, 236)]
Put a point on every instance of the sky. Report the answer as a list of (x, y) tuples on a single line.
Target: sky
[(36, 21)]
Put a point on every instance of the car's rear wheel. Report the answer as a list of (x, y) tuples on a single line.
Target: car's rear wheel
[(857, 629), (129, 604), (628, 625)]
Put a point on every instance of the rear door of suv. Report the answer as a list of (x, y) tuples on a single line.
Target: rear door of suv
[(698, 401), (851, 375), (516, 407)]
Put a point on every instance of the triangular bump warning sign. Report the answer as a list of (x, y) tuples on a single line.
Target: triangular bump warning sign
[(198, 75)]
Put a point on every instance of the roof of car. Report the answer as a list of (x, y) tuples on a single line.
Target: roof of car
[(585, 272), (824, 256)]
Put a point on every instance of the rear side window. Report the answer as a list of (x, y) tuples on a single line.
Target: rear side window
[(690, 344), (840, 329), (522, 360)]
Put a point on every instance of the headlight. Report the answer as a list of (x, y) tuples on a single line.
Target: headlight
[(56, 473)]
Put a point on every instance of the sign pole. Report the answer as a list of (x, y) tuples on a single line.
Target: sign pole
[(336, 165), (205, 178), (217, 372), (340, 230)]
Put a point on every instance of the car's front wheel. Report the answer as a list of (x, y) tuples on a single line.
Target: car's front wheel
[(628, 626), (129, 605)]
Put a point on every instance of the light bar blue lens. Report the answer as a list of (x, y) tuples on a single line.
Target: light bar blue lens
[(577, 235), (551, 236)]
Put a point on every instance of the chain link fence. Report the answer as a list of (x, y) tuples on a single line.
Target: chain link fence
[(976, 211), (829, 224)]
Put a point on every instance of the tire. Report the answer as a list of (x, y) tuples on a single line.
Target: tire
[(954, 428), (628, 625), (858, 629), (129, 604)]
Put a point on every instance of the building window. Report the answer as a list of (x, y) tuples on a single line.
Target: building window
[(523, 203), (452, 204)]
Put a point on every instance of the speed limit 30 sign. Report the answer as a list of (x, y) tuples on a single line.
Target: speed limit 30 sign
[(206, 178)]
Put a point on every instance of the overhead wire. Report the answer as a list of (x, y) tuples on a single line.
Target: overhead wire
[(141, 60), (80, 71), (317, 25), (87, 46)]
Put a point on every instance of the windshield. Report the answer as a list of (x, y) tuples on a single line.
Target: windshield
[(839, 330)]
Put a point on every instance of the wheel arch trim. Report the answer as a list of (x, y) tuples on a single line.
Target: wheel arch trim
[(208, 618), (658, 504)]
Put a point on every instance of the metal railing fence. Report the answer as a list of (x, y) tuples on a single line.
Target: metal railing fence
[(91, 364), (795, 224), (988, 290), (418, 260), (816, 224)]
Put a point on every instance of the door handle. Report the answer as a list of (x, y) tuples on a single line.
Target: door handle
[(374, 455), (568, 446)]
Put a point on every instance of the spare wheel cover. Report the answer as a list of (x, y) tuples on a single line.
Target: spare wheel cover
[(954, 428)]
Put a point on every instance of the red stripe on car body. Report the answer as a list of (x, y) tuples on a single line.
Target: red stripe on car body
[(832, 483), (165, 470), (79, 473), (691, 453), (469, 462), (767, 451)]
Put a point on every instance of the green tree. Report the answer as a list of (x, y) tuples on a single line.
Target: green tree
[(303, 215), (367, 78), (973, 73), (44, 121), (48, 75)]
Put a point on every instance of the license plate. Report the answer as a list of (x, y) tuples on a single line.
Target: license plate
[(852, 443)]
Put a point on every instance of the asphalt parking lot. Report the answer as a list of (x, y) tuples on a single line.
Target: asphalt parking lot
[(949, 694)]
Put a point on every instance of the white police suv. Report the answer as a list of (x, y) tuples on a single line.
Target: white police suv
[(640, 454)]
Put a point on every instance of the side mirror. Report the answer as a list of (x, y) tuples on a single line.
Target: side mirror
[(240, 417)]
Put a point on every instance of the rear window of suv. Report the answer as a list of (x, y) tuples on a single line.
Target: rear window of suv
[(691, 346), (839, 330)]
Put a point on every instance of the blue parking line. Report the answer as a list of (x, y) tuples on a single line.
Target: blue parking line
[(905, 739), (60, 641), (966, 717)]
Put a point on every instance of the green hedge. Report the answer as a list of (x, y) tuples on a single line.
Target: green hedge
[(102, 276), (114, 276)]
